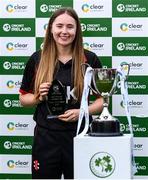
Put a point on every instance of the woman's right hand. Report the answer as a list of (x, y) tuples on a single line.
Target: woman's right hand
[(43, 90), (30, 100)]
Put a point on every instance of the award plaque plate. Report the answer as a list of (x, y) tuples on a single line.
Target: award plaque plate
[(56, 102)]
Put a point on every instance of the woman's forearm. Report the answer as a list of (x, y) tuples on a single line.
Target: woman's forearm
[(96, 106), (28, 100)]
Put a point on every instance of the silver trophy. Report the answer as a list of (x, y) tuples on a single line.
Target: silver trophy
[(104, 83)]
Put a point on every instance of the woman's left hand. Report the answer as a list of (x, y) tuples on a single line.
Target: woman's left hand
[(70, 115)]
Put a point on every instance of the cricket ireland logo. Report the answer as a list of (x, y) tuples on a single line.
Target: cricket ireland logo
[(102, 164)]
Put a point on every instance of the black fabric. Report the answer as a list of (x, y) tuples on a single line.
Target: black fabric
[(30, 72), (52, 154)]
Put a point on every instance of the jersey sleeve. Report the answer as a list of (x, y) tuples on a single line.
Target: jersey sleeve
[(92, 59), (28, 79), (96, 63)]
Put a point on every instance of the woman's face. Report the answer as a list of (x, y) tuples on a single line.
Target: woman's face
[(64, 30)]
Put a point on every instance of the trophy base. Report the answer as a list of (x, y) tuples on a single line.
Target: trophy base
[(105, 128), (52, 117)]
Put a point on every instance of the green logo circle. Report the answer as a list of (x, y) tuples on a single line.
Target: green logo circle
[(102, 164)]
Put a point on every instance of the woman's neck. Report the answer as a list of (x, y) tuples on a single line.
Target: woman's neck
[(64, 54)]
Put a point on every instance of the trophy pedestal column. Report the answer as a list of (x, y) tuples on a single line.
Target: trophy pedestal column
[(102, 157)]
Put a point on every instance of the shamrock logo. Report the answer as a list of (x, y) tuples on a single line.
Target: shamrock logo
[(102, 164)]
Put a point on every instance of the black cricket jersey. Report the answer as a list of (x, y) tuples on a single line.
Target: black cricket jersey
[(64, 75)]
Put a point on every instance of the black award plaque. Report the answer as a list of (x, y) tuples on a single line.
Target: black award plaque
[(56, 103)]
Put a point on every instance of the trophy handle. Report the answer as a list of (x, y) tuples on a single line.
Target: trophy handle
[(84, 66), (126, 68), (114, 84), (95, 90)]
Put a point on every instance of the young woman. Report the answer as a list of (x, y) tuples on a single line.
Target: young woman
[(60, 59)]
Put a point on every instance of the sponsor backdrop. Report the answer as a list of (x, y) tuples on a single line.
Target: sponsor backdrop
[(116, 30)]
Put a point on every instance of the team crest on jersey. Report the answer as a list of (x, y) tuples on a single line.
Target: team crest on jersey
[(36, 165)]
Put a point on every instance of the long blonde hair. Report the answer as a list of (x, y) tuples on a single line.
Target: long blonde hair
[(48, 61)]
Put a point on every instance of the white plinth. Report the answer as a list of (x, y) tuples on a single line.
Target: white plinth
[(102, 157)]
